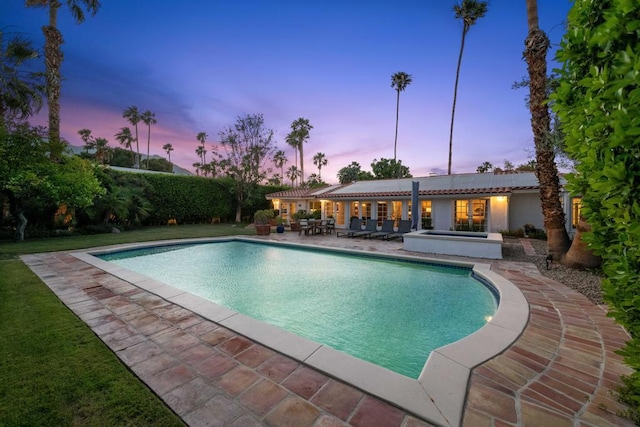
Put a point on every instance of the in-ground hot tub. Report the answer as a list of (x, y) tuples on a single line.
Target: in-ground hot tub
[(462, 243)]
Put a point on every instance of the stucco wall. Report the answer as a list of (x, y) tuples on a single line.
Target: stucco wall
[(442, 210), (525, 209)]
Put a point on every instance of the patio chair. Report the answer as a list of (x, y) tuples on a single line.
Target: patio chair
[(304, 226), (354, 227), (331, 225), (403, 228), (387, 228), (370, 227)]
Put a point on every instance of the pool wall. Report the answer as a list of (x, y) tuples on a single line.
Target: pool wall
[(438, 395), (461, 243)]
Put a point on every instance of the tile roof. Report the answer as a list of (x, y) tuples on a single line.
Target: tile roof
[(440, 185), (303, 193)]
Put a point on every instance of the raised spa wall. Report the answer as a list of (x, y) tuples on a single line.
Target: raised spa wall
[(460, 243)]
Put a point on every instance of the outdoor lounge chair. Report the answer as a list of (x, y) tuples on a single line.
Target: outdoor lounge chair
[(403, 228), (371, 227), (354, 227), (387, 228)]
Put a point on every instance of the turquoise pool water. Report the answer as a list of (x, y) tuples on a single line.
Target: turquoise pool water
[(388, 312)]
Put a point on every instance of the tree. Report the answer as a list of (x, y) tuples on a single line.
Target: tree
[(293, 173), (201, 151), (279, 160), (53, 59), (149, 119), (535, 53), (320, 160), (132, 114), (598, 103), (21, 90), (484, 167), (121, 157), (28, 176), (352, 173), (89, 142), (168, 148), (297, 137), (389, 168), (103, 152), (315, 181), (399, 81), (125, 139), (248, 145), (469, 11)]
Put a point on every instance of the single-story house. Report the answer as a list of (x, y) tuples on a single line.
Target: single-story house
[(491, 202)]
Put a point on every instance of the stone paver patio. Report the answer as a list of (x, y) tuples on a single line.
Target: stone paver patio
[(560, 371)]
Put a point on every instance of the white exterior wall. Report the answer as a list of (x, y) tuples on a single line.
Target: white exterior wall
[(498, 213), (525, 209), (442, 213)]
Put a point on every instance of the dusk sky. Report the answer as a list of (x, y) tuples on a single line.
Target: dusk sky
[(198, 65)]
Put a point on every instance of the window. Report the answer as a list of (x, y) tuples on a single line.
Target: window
[(355, 209), (427, 219), (366, 210), (576, 206), (339, 213), (471, 215), (316, 205), (396, 212), (328, 209), (382, 212)]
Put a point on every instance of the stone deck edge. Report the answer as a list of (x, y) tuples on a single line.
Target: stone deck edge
[(438, 395)]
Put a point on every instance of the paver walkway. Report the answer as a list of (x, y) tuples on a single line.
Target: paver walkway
[(561, 371)]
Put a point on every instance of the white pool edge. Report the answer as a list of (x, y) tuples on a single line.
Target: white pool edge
[(438, 395)]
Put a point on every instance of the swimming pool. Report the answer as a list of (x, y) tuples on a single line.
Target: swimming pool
[(389, 312), (438, 395)]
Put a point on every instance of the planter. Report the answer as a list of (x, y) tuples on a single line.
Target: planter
[(280, 228), (263, 230), (295, 226)]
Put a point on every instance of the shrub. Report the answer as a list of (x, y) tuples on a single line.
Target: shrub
[(598, 103)]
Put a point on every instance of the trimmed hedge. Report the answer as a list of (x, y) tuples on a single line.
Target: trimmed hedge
[(187, 199), (598, 103), (196, 200)]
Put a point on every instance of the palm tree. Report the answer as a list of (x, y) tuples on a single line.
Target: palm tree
[(469, 11), (399, 81), (293, 173), (132, 114), (103, 152), (89, 142), (53, 59), (201, 151), (279, 160), (149, 119), (125, 139), (20, 90), (535, 53), (168, 148), (320, 160), (197, 166), (297, 137)]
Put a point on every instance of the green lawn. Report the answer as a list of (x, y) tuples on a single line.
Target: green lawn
[(54, 370)]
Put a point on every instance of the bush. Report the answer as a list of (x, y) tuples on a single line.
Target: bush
[(598, 103)]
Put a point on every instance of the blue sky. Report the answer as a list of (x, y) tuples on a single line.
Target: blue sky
[(200, 64)]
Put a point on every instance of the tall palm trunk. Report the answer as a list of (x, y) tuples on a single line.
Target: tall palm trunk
[(301, 163), (536, 46), (148, 143), (455, 97), (53, 61), (395, 144)]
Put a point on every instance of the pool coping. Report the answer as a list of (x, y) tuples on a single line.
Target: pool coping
[(438, 395)]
